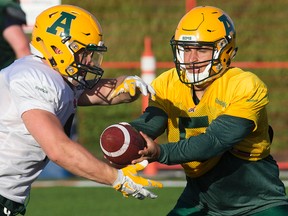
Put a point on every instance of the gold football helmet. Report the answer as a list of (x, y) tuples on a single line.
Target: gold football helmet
[(70, 39), (207, 27)]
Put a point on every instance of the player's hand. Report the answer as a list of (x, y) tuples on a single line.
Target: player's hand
[(150, 153), (130, 184), (130, 85)]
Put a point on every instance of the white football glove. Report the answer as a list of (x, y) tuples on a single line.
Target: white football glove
[(130, 84), (130, 184)]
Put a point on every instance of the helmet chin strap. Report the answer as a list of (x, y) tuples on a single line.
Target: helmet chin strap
[(35, 51), (200, 76), (74, 81), (70, 79)]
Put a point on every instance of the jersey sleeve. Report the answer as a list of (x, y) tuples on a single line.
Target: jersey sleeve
[(152, 122), (28, 93), (221, 135), (249, 97)]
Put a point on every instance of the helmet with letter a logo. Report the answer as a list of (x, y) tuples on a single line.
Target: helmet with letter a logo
[(204, 26), (70, 39)]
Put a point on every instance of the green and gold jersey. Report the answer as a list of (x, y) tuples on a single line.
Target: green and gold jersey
[(237, 93)]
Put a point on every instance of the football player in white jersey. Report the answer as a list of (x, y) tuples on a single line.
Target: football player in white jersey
[(39, 95)]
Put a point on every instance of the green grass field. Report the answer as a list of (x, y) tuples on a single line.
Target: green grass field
[(98, 201)]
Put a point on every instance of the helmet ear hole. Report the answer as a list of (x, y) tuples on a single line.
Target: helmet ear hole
[(228, 62), (56, 50)]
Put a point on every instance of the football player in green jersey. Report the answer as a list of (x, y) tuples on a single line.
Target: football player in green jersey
[(14, 43), (216, 122)]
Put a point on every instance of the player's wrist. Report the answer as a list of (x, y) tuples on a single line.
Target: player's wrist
[(161, 156), (119, 179)]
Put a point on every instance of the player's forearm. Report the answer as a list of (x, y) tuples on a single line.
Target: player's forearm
[(222, 134), (77, 160), (194, 149), (99, 95), (17, 40)]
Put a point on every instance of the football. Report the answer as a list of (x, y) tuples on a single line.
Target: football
[(120, 144)]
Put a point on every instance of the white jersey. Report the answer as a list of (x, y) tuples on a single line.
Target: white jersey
[(28, 84)]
